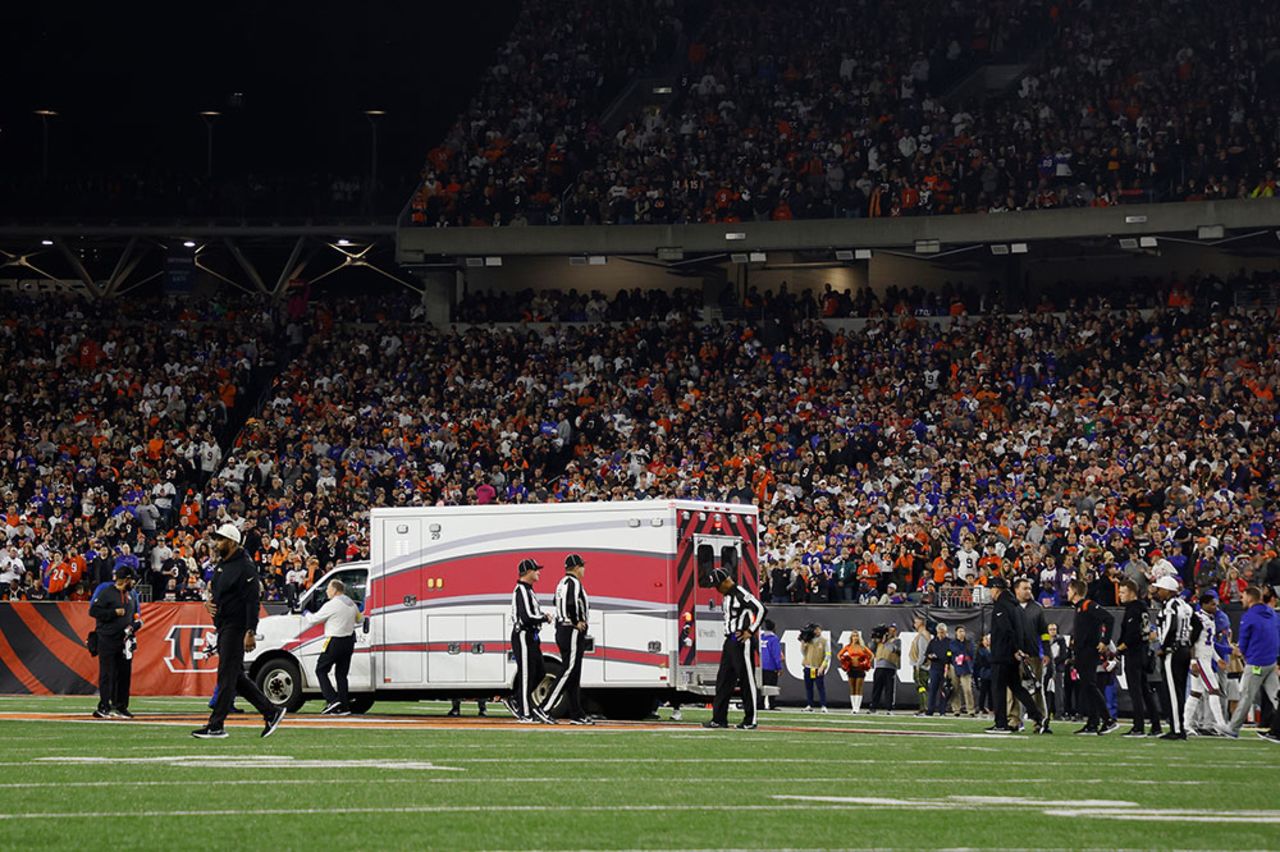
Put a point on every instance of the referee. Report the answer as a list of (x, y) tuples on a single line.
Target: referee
[(572, 614), (236, 597), (742, 617), (340, 616), (527, 619)]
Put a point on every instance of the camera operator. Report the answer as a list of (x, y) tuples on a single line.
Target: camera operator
[(816, 655), (887, 651)]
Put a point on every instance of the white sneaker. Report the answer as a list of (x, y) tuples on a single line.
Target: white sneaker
[(808, 708), (825, 710), (676, 716), (853, 712)]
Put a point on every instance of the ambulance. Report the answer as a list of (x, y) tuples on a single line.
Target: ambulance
[(436, 594)]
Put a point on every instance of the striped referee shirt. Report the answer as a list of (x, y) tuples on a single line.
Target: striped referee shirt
[(526, 613), (1175, 623), (742, 611), (572, 605)]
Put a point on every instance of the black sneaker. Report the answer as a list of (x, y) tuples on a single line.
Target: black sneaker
[(743, 726), (454, 712), (1042, 727), (343, 710), (1173, 736), (1108, 726), (207, 733), (584, 720), (1269, 736), (273, 721), (997, 729), (1135, 733), (101, 714), (542, 716), (714, 724), (119, 713), (1087, 729), (482, 712), (330, 709)]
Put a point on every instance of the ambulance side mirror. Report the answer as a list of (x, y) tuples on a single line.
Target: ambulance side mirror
[(364, 625)]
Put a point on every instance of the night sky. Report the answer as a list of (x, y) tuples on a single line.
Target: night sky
[(129, 79)]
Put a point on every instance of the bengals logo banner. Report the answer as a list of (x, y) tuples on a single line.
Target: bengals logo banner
[(42, 650)]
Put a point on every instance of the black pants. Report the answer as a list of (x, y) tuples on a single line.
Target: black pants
[(737, 669), (937, 704), (336, 656), (769, 677), (1141, 695), (1090, 702), (884, 682), (572, 645), (1177, 663), (232, 680), (1004, 676), (114, 675), (527, 650), (983, 697)]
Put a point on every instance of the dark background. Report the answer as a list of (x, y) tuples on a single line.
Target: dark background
[(129, 79)]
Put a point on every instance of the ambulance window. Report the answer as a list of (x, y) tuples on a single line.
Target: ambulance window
[(729, 561), (355, 581), (706, 563)]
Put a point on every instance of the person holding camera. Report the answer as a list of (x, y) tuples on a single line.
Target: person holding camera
[(816, 659), (887, 659), (235, 597), (115, 609), (742, 617)]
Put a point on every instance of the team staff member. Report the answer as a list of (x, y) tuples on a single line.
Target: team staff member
[(1135, 629), (340, 616), (1175, 652), (236, 596), (1089, 634), (1007, 641), (115, 610), (573, 612), (1035, 634), (742, 617), (527, 619), (1260, 646)]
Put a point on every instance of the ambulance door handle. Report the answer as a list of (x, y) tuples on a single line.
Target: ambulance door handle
[(477, 648), (455, 648)]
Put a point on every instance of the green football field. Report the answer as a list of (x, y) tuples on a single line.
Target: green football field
[(406, 778)]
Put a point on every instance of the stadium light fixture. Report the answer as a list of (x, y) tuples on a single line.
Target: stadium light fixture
[(758, 257), (1148, 242), (1018, 248), (670, 253), (1210, 232), (493, 261), (46, 242), (862, 254), (1128, 243), (662, 90), (474, 262), (188, 243), (344, 242), (596, 260), (735, 235), (999, 249), (1135, 220), (844, 254), (740, 257), (928, 246)]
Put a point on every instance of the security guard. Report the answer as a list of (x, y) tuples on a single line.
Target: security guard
[(527, 619), (572, 614), (115, 610), (742, 617), (236, 596), (1008, 638)]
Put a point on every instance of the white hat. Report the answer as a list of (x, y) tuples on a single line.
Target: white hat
[(1167, 583), (230, 532)]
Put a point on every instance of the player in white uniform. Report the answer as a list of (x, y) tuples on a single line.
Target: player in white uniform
[(1203, 680)]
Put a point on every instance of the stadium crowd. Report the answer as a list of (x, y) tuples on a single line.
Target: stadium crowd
[(838, 110), (901, 458)]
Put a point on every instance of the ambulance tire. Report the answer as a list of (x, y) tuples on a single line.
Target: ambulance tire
[(540, 692), (281, 682), (361, 703)]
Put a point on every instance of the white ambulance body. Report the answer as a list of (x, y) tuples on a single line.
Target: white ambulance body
[(437, 598)]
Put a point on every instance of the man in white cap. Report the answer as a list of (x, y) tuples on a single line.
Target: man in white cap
[(1175, 651), (236, 595)]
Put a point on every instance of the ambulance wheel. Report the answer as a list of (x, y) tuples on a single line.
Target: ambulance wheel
[(540, 692), (361, 703), (281, 681)]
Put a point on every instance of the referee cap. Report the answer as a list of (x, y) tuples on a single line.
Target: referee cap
[(573, 560), (527, 565), (717, 576)]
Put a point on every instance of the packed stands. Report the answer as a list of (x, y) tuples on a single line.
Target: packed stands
[(821, 110), (903, 449)]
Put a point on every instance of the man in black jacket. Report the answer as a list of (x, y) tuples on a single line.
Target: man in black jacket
[(1089, 634), (114, 610), (235, 597), (1007, 640), (1135, 633)]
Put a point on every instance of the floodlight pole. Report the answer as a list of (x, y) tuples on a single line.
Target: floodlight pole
[(209, 116), (45, 115)]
